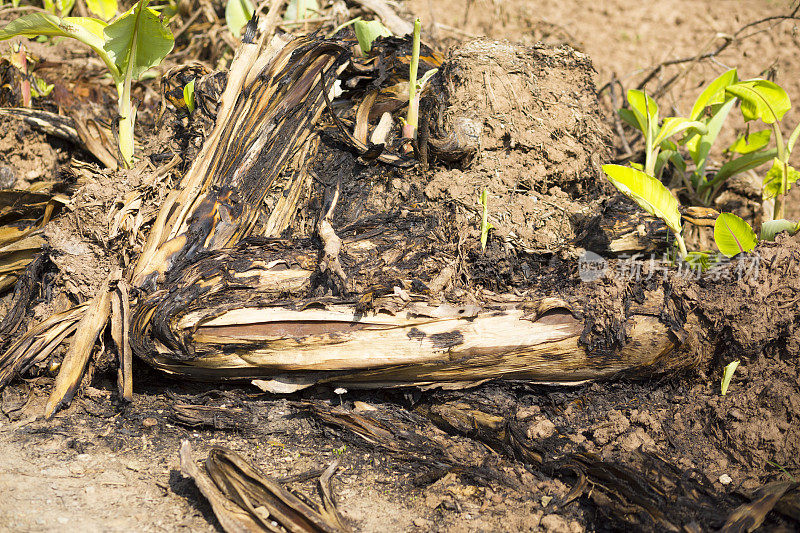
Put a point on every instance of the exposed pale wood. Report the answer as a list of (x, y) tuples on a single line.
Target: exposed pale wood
[(74, 364)]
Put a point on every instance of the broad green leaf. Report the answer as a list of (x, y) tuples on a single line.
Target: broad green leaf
[(237, 14), (188, 96), (743, 164), (733, 235), (141, 33), (700, 145), (300, 9), (713, 94), (746, 144), (761, 99), (369, 30), (105, 9), (675, 125), (648, 192), (773, 180), (770, 229), (727, 376), (89, 31), (645, 109)]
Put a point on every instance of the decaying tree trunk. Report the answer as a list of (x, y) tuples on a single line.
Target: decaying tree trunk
[(385, 295)]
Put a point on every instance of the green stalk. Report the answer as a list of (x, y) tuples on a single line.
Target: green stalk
[(127, 113), (412, 122)]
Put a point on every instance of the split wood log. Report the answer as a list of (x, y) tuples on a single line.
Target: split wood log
[(219, 297)]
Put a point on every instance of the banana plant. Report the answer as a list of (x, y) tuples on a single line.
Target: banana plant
[(132, 43), (766, 101), (701, 130), (651, 195)]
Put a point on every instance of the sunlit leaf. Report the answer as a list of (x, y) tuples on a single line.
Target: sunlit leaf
[(761, 99), (676, 125), (142, 33), (770, 229), (188, 96), (733, 235), (237, 14), (727, 375), (743, 164), (648, 192), (369, 30), (700, 145), (746, 144), (714, 93), (105, 9), (645, 109), (86, 30), (773, 180)]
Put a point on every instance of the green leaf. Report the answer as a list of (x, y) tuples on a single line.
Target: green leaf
[(300, 9), (675, 125), (733, 235), (714, 93), (746, 144), (62, 7), (369, 30), (770, 229), (648, 192), (138, 40), (761, 99), (700, 145), (41, 88), (773, 180), (645, 110), (742, 164), (89, 31), (727, 375), (105, 9), (237, 14), (188, 96), (629, 117)]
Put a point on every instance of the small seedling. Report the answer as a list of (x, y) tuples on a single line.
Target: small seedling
[(188, 95), (727, 375), (134, 42), (485, 225)]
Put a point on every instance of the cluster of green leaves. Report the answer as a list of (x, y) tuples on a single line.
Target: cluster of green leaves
[(759, 100), (129, 45)]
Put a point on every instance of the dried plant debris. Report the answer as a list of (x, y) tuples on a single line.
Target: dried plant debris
[(245, 499)]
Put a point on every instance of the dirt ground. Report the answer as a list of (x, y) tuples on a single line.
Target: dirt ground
[(104, 466)]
